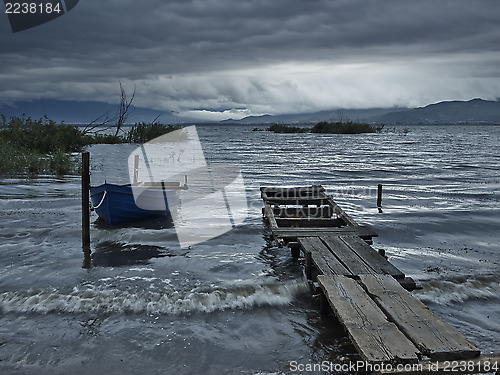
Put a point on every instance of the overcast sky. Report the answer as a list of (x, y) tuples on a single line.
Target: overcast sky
[(228, 58)]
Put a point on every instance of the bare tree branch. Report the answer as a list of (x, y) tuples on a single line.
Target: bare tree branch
[(105, 121), (124, 108), (101, 121)]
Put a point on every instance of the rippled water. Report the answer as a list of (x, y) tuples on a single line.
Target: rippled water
[(237, 304)]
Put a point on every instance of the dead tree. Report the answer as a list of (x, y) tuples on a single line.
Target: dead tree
[(105, 121)]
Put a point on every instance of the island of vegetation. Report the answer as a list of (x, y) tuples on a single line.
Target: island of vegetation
[(324, 127), (41, 146)]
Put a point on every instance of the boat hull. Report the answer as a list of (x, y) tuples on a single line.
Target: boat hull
[(115, 204)]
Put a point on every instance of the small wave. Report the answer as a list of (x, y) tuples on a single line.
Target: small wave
[(448, 292), (111, 300)]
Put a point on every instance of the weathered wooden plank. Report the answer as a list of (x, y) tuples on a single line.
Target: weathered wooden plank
[(489, 363), (298, 195), (431, 334), (321, 256), (376, 339), (322, 211), (270, 190), (371, 256), (361, 231), (306, 222), (299, 201), (292, 188), (347, 256)]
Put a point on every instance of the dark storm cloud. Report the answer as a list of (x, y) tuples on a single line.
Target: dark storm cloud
[(258, 54)]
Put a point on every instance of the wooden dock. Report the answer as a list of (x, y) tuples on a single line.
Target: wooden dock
[(369, 296)]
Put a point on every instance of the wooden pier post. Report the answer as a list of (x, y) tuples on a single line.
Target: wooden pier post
[(324, 307), (295, 249), (308, 265), (379, 195), (379, 198), (86, 207)]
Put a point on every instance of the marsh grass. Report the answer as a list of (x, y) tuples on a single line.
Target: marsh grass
[(324, 127), (38, 146), (43, 135), (280, 128), (340, 127), (14, 160), (42, 146)]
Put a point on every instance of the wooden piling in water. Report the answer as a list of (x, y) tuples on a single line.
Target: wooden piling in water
[(379, 196), (85, 200)]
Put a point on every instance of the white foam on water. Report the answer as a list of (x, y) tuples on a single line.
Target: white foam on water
[(112, 300), (447, 292)]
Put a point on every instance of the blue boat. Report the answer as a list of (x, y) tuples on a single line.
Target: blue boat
[(116, 204)]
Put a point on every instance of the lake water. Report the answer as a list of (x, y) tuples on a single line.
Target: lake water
[(237, 304)]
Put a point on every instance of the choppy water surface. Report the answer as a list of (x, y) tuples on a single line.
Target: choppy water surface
[(237, 304)]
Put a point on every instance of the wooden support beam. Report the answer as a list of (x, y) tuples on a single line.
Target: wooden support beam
[(295, 249), (324, 305), (292, 233), (308, 265), (408, 283)]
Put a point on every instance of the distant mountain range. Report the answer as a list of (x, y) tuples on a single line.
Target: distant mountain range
[(450, 112), (315, 117), (474, 111)]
